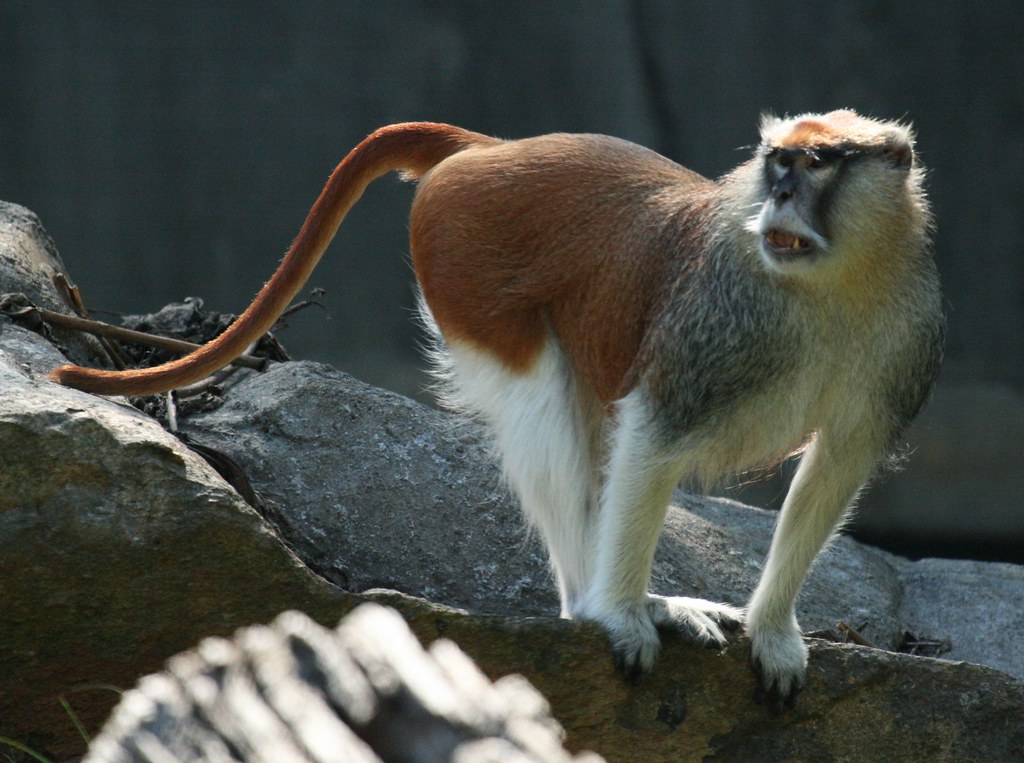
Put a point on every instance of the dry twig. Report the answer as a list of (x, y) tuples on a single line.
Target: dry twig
[(125, 335), (73, 297)]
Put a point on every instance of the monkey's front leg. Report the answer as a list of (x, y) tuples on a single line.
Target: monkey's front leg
[(822, 488), (638, 485)]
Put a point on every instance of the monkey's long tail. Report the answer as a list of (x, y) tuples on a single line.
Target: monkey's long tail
[(413, 147)]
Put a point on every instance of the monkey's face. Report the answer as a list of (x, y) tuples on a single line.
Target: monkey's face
[(827, 182), (790, 224)]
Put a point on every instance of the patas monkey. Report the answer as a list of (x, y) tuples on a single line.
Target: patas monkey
[(621, 324)]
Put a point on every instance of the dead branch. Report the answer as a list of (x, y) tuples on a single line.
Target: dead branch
[(101, 329)]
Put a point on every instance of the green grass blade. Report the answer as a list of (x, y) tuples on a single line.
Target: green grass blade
[(25, 749), (75, 720)]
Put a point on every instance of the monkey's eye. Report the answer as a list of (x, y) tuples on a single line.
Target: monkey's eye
[(778, 159), (826, 156)]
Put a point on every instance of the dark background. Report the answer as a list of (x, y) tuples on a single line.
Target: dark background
[(173, 149)]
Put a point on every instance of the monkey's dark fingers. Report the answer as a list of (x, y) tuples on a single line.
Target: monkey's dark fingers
[(774, 700), (729, 618), (635, 646), (777, 694), (628, 664), (731, 624)]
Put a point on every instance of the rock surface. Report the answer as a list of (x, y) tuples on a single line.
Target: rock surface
[(977, 607), (29, 262), (120, 546), (859, 705), (374, 490)]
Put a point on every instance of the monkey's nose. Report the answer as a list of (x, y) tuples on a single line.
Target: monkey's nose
[(783, 188)]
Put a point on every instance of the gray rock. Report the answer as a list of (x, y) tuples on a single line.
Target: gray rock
[(28, 263), (374, 490), (28, 257), (976, 607), (119, 547), (295, 691)]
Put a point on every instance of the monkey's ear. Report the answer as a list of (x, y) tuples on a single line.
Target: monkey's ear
[(899, 147), (900, 152)]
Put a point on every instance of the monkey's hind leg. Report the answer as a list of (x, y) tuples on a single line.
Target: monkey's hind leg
[(640, 480), (545, 431)]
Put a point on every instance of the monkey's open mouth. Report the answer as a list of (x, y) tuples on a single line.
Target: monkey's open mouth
[(784, 244)]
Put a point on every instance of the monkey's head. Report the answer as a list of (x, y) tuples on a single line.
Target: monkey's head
[(833, 188)]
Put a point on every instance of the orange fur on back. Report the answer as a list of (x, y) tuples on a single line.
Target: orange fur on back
[(559, 234)]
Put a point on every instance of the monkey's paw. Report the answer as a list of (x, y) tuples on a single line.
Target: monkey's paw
[(635, 641), (780, 661), (634, 631), (697, 621)]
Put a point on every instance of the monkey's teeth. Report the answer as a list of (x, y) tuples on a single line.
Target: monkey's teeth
[(783, 241)]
